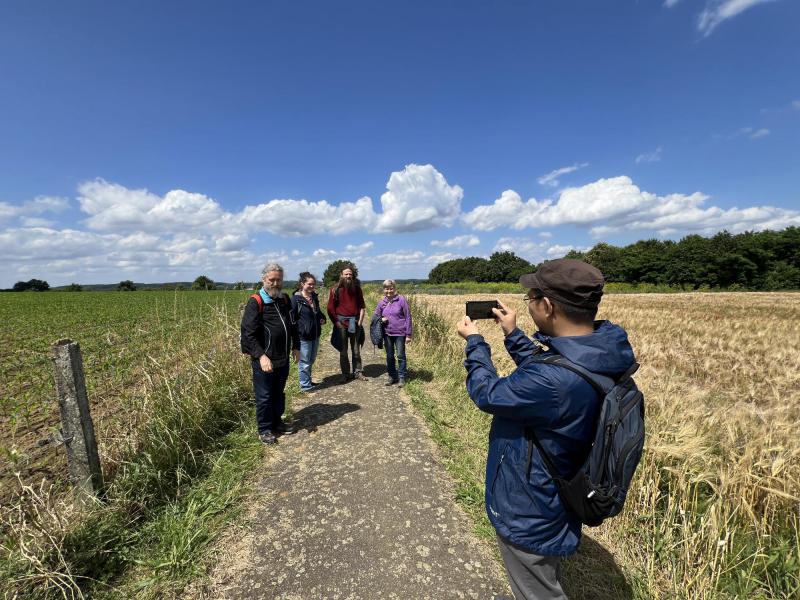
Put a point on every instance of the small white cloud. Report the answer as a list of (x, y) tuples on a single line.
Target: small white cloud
[(229, 242), (435, 259), (649, 157), (358, 248), (748, 132), (36, 222), (545, 234), (460, 241), (717, 11), (670, 3), (401, 257), (323, 253), (418, 198), (559, 250), (552, 178), (30, 210)]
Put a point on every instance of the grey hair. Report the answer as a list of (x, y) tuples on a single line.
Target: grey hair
[(269, 267), (389, 282)]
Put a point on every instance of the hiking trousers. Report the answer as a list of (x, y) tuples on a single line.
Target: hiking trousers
[(351, 340), (532, 576), (270, 396)]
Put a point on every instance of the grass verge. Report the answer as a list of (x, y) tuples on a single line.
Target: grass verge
[(178, 482)]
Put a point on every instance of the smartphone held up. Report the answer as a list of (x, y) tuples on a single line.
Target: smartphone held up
[(481, 309)]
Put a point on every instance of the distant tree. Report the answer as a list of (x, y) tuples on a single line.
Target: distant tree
[(782, 276), (607, 258), (240, 285), (334, 271), (258, 285), (180, 288), (33, 285), (506, 266), (75, 287), (126, 286), (203, 283), (472, 268)]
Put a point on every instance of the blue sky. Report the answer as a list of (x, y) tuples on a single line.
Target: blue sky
[(158, 141)]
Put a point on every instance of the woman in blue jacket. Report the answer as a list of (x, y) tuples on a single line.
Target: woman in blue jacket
[(310, 319)]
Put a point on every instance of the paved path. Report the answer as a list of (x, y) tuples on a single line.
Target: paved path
[(355, 505)]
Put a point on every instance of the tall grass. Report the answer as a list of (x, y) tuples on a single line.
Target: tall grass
[(714, 510), (175, 478)]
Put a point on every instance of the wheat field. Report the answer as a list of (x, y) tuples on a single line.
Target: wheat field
[(715, 506)]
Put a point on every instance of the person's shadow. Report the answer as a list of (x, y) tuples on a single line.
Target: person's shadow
[(379, 370), (592, 574), (315, 415)]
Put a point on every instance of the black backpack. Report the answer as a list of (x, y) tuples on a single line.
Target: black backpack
[(598, 490)]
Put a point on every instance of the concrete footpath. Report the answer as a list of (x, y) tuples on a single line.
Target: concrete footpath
[(354, 505)]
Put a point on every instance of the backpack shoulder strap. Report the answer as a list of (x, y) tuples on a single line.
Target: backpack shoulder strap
[(259, 301), (601, 384)]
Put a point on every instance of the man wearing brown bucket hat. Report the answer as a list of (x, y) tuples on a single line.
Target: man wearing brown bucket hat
[(542, 405)]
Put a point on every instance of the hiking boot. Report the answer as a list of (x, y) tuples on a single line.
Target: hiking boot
[(268, 438), (361, 376), (282, 429), (391, 381), (401, 383)]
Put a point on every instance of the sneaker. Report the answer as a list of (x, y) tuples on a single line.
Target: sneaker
[(268, 438), (308, 390), (361, 376), (401, 383), (391, 382)]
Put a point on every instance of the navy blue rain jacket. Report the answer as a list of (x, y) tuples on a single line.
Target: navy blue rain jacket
[(308, 317), (561, 408)]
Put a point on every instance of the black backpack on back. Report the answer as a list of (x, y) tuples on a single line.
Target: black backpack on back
[(598, 490)]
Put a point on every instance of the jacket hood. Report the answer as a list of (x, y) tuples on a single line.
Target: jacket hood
[(606, 351)]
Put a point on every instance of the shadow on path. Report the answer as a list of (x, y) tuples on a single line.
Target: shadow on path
[(316, 415), (592, 574)]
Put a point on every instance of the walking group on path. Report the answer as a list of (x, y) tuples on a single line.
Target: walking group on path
[(542, 480)]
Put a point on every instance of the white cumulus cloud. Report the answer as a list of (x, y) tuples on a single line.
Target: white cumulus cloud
[(301, 217), (418, 198), (460, 241), (617, 204), (359, 248)]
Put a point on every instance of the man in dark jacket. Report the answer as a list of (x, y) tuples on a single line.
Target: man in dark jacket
[(269, 336), (560, 408)]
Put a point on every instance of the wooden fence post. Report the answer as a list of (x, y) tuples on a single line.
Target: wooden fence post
[(77, 429)]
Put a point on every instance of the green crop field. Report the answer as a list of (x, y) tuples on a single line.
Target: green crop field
[(123, 337)]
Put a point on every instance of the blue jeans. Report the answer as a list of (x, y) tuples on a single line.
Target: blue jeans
[(395, 344), (270, 397), (308, 354)]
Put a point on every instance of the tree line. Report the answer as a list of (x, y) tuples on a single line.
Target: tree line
[(766, 260)]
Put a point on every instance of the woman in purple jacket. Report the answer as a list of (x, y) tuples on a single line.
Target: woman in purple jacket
[(396, 316)]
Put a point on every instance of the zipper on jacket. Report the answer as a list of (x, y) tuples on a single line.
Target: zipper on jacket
[(528, 437), (286, 331)]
